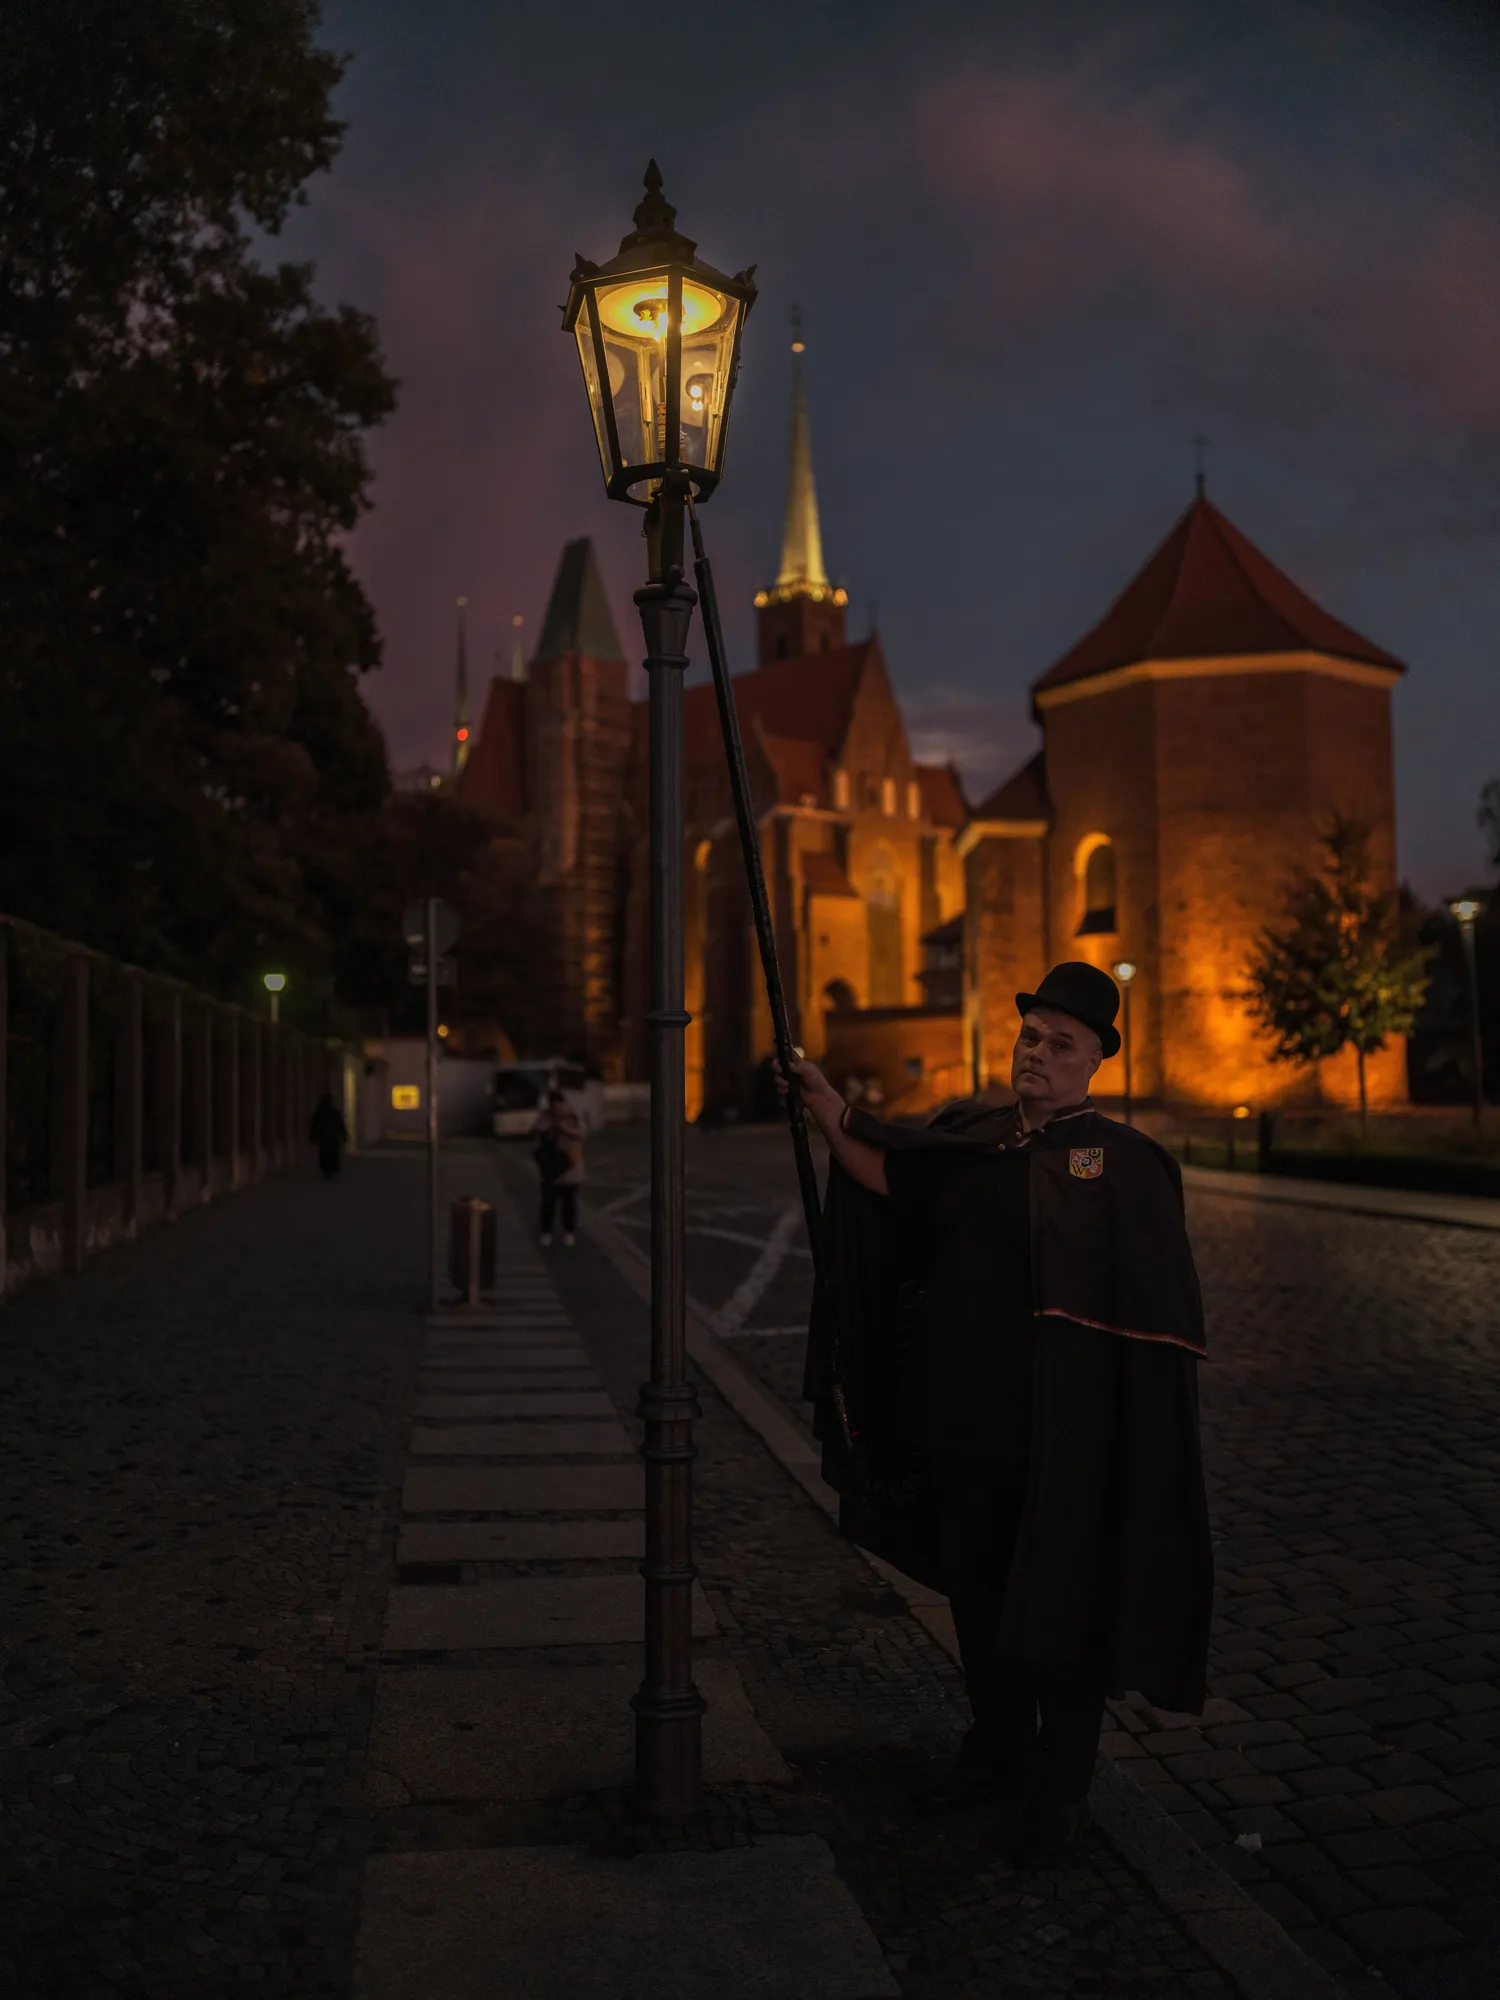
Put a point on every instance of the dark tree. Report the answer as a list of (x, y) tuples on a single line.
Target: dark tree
[(182, 738), (1343, 968)]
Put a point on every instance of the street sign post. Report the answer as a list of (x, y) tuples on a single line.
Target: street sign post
[(430, 929)]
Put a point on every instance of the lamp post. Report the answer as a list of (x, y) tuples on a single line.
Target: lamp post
[(1467, 911), (275, 985), (658, 336), (1125, 973)]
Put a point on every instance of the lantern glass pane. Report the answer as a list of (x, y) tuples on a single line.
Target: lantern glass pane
[(587, 356), (637, 386), (707, 361)]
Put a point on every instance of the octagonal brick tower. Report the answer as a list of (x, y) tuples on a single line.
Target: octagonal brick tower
[(1197, 742)]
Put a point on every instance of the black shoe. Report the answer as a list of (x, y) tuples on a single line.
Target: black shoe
[(1050, 1834)]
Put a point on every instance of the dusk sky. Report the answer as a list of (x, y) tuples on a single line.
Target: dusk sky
[(1035, 247)]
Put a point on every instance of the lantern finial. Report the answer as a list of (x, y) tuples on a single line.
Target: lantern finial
[(656, 220)]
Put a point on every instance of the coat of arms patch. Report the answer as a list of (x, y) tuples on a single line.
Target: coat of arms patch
[(1086, 1163)]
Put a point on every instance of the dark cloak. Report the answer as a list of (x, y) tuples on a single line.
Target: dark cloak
[(1114, 1548)]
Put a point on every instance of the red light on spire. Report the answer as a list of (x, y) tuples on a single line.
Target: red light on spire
[(463, 735)]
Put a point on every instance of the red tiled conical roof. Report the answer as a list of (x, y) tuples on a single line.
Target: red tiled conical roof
[(1206, 593)]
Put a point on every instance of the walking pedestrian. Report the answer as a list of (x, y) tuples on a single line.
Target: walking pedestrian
[(558, 1132), (329, 1134), (1020, 1327)]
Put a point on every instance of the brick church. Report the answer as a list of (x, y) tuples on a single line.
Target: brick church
[(1195, 743)]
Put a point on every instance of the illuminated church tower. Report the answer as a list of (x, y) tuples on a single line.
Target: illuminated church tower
[(802, 612)]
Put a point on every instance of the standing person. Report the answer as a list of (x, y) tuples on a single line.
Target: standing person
[(558, 1132), (329, 1134), (1021, 1326)]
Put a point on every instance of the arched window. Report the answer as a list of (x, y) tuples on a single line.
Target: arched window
[(1096, 870), (839, 997)]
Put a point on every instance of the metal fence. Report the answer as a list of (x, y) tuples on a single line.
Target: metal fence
[(127, 1098)]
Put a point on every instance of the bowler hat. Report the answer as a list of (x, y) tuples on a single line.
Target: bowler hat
[(1086, 993)]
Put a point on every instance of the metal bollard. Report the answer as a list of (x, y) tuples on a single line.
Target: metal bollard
[(471, 1249)]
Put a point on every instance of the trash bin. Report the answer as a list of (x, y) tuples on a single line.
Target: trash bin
[(471, 1249)]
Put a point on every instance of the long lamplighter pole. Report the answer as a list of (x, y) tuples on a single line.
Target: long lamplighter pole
[(765, 933), (668, 1707)]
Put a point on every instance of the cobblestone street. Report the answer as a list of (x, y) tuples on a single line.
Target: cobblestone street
[(1348, 1768)]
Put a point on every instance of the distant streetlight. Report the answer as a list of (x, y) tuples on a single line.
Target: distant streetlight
[(275, 984), (1466, 910), (658, 335), (1125, 972)]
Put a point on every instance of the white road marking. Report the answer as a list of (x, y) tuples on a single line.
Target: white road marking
[(739, 1236), (746, 1295)]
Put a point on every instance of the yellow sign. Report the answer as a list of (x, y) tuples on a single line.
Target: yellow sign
[(405, 1097)]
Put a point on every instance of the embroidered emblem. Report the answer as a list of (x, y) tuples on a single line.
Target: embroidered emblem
[(1086, 1163)]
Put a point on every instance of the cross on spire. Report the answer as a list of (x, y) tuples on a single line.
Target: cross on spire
[(1200, 462)]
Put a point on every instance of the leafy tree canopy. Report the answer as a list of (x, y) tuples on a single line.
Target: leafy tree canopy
[(183, 747), (1343, 968)]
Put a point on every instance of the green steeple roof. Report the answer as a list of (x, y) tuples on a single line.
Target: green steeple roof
[(578, 618)]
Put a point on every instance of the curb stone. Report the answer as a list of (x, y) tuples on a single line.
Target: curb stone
[(1453, 1211), (1246, 1943)]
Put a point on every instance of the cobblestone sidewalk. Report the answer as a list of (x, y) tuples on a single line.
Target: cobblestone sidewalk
[(203, 1436)]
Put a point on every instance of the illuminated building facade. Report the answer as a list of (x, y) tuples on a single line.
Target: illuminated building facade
[(1196, 744)]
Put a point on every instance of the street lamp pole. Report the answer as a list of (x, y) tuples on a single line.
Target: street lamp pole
[(1125, 973), (274, 983), (1467, 912), (668, 1707), (658, 334)]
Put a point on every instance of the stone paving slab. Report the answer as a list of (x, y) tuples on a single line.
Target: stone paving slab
[(524, 1489), (547, 1437), (557, 1403), (513, 1335), (524, 1611), (520, 1733), (519, 1541), (771, 1922), (534, 1354), (466, 1378)]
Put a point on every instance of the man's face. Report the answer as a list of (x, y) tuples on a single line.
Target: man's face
[(1055, 1057)]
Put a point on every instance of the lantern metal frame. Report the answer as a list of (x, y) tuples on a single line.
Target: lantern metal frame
[(656, 252)]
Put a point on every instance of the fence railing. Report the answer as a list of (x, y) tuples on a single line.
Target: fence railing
[(127, 1098)]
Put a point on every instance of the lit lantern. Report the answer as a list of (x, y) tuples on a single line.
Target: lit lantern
[(658, 334)]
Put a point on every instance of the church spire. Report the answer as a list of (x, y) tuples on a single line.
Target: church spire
[(802, 612), (461, 695), (802, 573)]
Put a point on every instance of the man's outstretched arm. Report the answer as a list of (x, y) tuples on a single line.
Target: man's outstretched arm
[(859, 1159)]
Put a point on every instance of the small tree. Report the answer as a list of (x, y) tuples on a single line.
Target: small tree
[(1343, 968)]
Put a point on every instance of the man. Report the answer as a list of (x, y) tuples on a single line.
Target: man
[(1019, 1326)]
